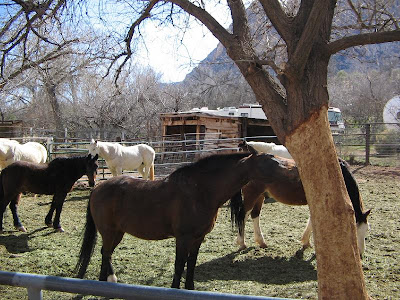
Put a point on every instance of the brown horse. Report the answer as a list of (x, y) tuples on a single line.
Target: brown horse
[(290, 191), (183, 205), (55, 178)]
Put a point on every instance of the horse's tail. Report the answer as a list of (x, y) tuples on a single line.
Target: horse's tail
[(88, 244), (151, 175), (237, 211)]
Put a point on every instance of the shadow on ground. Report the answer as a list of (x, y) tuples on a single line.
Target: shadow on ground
[(16, 244), (264, 269)]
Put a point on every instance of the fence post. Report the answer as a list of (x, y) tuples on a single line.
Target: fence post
[(367, 142), (35, 293)]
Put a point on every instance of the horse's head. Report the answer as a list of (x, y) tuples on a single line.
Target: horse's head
[(243, 146), (93, 148), (91, 168), (362, 230)]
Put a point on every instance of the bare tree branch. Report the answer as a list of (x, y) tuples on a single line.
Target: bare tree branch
[(311, 32), (278, 18), (363, 39)]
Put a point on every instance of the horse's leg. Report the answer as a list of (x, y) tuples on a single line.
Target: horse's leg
[(13, 208), (142, 169), (240, 240), (113, 171), (109, 244), (181, 257), (253, 198), (191, 264), (305, 239), (49, 217), (255, 215), (118, 171), (59, 201), (3, 205)]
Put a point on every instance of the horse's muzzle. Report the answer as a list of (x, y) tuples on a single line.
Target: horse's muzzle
[(92, 182)]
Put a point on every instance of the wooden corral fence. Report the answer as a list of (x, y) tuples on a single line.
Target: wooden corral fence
[(36, 283)]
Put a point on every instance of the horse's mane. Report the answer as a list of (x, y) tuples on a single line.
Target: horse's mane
[(208, 164), (352, 187)]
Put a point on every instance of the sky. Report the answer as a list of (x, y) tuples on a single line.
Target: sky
[(173, 58)]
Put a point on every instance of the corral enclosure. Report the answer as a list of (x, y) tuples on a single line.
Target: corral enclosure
[(281, 270)]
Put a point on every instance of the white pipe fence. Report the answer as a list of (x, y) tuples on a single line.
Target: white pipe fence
[(36, 283)]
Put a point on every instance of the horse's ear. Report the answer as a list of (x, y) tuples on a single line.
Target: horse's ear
[(96, 157), (365, 215)]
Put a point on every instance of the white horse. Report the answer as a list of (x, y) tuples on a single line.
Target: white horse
[(12, 151), (118, 157), (272, 148)]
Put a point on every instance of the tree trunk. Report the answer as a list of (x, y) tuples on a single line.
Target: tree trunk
[(55, 107), (332, 216)]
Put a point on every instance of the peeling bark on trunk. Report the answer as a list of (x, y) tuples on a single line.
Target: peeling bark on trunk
[(332, 216)]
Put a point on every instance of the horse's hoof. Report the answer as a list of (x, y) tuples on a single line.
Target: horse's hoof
[(112, 278), (306, 246), (263, 245), (49, 224), (21, 228), (59, 229), (242, 247)]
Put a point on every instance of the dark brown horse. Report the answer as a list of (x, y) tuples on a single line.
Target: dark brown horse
[(55, 178), (183, 205), (290, 191)]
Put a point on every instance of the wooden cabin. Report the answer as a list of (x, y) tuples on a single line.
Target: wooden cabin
[(211, 129), (11, 128)]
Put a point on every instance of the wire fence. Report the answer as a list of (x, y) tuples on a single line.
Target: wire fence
[(376, 144)]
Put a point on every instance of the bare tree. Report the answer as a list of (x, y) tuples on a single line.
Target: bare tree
[(362, 94), (26, 25)]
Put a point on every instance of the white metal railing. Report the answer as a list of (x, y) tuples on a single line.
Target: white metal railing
[(36, 283)]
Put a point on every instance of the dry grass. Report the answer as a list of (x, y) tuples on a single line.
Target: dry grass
[(280, 270)]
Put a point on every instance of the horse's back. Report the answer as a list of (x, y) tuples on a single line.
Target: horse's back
[(133, 156), (147, 153), (31, 152), (23, 176), (37, 152), (271, 148)]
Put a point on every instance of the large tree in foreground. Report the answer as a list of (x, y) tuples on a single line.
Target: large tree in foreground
[(296, 102)]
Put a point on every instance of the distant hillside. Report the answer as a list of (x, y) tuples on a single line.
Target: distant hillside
[(372, 56)]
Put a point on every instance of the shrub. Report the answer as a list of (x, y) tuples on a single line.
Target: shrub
[(388, 142)]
